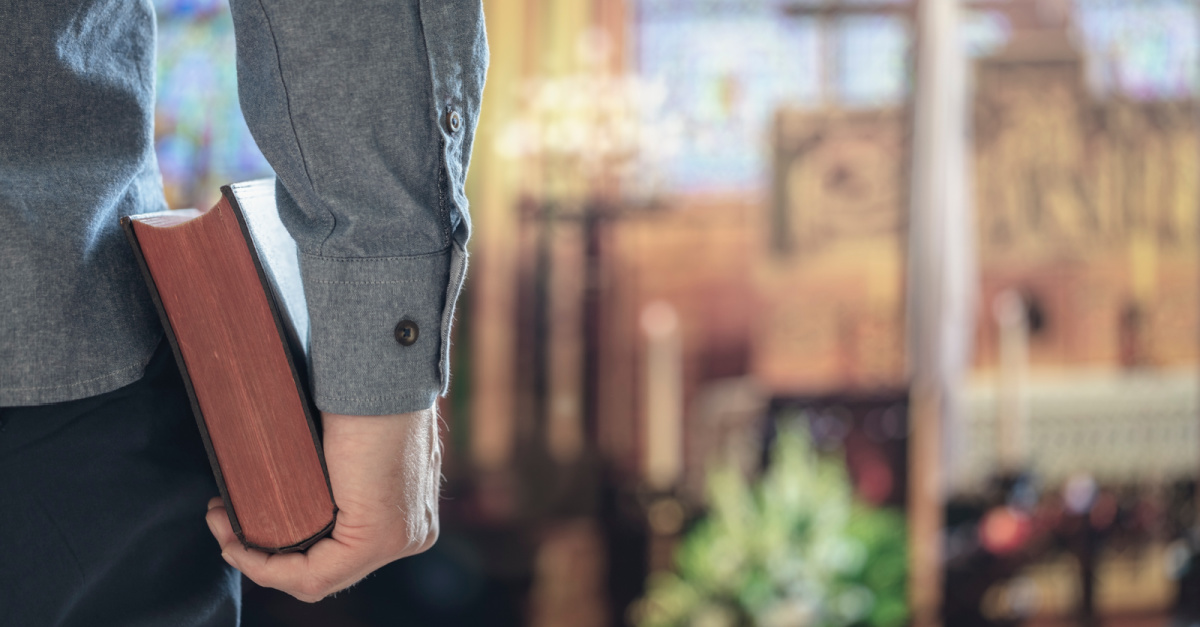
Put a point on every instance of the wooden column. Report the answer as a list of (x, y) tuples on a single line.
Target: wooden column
[(941, 271)]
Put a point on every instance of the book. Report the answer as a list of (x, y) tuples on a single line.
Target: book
[(226, 283)]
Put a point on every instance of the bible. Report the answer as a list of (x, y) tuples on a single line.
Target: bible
[(226, 283)]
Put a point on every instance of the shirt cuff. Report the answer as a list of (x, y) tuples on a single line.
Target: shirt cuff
[(379, 330)]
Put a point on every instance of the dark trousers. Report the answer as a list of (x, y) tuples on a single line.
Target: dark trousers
[(102, 504)]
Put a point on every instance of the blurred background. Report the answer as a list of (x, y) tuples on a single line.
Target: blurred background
[(800, 313)]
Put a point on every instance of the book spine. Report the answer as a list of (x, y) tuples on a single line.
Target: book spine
[(127, 225)]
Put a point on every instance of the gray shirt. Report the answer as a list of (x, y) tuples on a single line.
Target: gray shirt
[(366, 110)]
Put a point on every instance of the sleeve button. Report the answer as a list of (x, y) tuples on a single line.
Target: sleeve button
[(453, 121), (407, 332)]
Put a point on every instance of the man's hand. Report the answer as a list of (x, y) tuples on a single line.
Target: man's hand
[(385, 472)]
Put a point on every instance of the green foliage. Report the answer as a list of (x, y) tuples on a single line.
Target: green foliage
[(796, 549)]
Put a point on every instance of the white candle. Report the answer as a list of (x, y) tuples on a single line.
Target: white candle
[(663, 421), (1012, 420)]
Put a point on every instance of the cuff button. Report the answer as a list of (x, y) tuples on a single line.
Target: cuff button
[(407, 332), (453, 121)]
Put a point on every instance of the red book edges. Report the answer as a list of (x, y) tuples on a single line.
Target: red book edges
[(227, 285)]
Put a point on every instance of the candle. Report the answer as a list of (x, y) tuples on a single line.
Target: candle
[(663, 422)]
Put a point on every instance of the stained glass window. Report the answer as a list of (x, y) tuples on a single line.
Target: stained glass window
[(985, 32), (728, 65), (200, 136), (1148, 50), (872, 61)]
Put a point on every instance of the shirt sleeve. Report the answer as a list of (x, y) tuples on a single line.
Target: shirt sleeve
[(366, 110)]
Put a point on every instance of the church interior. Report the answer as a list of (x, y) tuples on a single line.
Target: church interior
[(798, 313)]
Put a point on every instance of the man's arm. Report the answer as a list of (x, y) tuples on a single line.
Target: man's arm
[(367, 110)]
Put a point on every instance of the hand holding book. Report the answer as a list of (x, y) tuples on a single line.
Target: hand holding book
[(228, 288), (385, 471)]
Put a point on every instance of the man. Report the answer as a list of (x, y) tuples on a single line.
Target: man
[(366, 110)]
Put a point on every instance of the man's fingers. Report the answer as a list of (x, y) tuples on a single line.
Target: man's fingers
[(258, 566), (218, 523), (327, 567)]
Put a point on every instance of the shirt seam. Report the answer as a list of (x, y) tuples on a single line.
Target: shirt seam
[(443, 208), (436, 114), (287, 97), (407, 282), (373, 398), (436, 253)]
